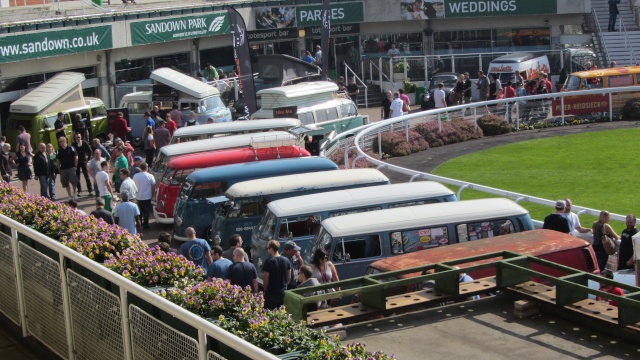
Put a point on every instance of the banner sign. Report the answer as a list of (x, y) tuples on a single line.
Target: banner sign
[(55, 43), (342, 29), (325, 38), (341, 13), (584, 104), (286, 112), (477, 8), (178, 28), (431, 9), (275, 34), (243, 60), (275, 17)]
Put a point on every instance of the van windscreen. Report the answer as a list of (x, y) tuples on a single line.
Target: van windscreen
[(573, 83), (211, 103)]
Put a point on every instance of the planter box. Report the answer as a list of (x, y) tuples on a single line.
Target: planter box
[(398, 77)]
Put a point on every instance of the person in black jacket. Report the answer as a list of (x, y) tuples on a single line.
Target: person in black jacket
[(43, 170), (84, 155)]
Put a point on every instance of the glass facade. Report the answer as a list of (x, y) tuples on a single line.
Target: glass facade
[(491, 40)]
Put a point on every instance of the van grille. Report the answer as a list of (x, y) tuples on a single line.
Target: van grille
[(588, 259)]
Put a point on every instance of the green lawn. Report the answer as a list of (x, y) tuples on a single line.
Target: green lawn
[(595, 169)]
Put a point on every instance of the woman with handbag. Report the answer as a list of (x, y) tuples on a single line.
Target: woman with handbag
[(603, 238), (323, 270)]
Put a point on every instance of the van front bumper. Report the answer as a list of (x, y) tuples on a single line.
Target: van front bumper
[(161, 217)]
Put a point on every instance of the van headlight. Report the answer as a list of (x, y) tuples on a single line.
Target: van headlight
[(178, 220), (161, 205)]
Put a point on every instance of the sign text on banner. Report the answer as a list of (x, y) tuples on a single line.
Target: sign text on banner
[(341, 13), (477, 8), (583, 104), (178, 28), (274, 34), (340, 29), (55, 43)]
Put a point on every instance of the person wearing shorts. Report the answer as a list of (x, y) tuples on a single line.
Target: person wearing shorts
[(67, 158)]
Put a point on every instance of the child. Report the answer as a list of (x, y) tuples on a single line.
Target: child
[(609, 288)]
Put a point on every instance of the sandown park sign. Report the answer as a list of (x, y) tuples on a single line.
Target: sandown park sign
[(173, 29)]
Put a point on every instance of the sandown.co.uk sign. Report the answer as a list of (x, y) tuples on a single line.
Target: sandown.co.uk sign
[(54, 43), (178, 28)]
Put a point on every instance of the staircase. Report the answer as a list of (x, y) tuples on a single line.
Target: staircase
[(374, 95), (622, 46)]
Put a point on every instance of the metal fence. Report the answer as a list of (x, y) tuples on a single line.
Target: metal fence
[(366, 135), (81, 310)]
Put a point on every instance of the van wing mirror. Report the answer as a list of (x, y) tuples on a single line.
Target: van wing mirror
[(290, 235), (347, 257)]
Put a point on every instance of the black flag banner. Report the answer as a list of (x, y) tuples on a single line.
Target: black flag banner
[(243, 60), (324, 42)]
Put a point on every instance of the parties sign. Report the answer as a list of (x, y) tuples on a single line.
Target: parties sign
[(340, 13), (55, 43), (178, 28)]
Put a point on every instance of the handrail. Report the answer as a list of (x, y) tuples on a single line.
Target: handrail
[(348, 70), (511, 269), (203, 326), (382, 74), (628, 44), (372, 129), (603, 45), (91, 4)]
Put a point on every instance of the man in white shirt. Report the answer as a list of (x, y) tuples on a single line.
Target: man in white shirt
[(439, 97), (396, 106), (575, 228), (146, 185), (104, 185), (393, 52), (127, 185)]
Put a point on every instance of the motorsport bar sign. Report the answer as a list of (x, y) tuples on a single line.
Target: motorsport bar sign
[(55, 43), (178, 28)]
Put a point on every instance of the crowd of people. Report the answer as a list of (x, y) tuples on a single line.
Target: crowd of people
[(282, 271), (566, 221)]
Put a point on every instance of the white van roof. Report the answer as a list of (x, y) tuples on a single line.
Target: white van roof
[(354, 198), (50, 92), (421, 216), (279, 138), (237, 126), (184, 83), (301, 182), (302, 94)]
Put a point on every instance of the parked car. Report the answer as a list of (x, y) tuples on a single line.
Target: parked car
[(448, 79)]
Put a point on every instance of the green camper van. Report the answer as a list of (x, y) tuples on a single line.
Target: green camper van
[(37, 111)]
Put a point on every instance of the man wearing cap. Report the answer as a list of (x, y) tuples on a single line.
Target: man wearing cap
[(101, 213), (557, 221), (292, 253), (135, 168)]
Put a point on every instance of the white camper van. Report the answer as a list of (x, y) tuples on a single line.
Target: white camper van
[(190, 94), (505, 66)]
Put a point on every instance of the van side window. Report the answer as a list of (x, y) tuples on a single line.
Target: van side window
[(403, 242), (620, 80), (321, 115), (205, 191), (85, 114), (98, 112), (348, 109), (484, 229), (181, 176), (137, 108), (300, 226), (593, 83), (247, 209), (332, 113), (361, 247), (50, 121), (306, 118)]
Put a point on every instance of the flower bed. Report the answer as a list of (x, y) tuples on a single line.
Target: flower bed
[(237, 310)]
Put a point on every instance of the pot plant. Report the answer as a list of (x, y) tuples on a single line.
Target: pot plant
[(410, 90), (399, 70)]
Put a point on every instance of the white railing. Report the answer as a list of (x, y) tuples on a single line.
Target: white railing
[(81, 310), (362, 141), (348, 71), (627, 43)]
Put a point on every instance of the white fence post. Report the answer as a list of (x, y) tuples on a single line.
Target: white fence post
[(19, 288), (610, 108), (126, 334), (66, 306), (453, 64)]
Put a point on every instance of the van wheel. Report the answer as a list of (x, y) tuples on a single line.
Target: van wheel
[(208, 235), (136, 142)]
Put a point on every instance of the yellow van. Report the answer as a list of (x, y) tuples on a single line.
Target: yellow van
[(38, 110), (598, 79)]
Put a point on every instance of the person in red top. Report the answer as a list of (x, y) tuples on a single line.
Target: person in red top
[(170, 124), (544, 77), (509, 91), (128, 150), (119, 126), (610, 289)]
